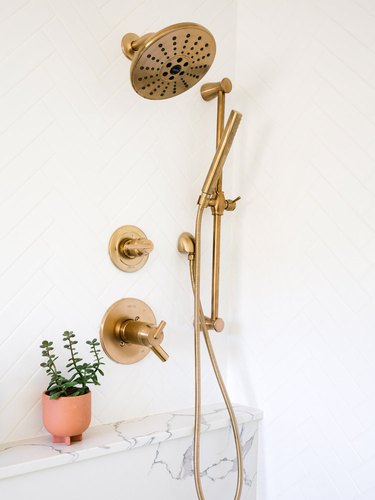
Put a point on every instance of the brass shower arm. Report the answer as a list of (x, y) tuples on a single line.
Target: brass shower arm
[(131, 42)]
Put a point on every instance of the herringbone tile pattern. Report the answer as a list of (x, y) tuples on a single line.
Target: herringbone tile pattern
[(80, 155), (305, 305)]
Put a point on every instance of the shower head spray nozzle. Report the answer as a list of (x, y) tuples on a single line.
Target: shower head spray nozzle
[(167, 63)]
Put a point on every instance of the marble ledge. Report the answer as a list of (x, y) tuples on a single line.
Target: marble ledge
[(30, 455)]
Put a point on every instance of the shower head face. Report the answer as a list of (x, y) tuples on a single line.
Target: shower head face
[(172, 61)]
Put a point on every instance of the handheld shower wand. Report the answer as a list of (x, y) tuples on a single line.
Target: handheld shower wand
[(210, 184)]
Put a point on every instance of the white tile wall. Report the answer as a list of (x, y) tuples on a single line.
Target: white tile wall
[(80, 155), (303, 311)]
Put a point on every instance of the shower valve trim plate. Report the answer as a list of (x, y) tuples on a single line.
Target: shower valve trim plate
[(129, 332)]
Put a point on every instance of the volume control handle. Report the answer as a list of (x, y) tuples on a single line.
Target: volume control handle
[(160, 353), (159, 330), (158, 336)]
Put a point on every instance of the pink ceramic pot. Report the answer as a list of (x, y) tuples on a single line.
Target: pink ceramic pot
[(66, 418)]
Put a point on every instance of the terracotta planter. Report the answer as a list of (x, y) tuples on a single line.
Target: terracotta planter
[(66, 418)]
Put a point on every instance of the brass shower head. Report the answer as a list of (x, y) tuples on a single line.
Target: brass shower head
[(167, 63)]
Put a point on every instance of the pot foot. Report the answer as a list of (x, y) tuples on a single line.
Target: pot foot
[(66, 439)]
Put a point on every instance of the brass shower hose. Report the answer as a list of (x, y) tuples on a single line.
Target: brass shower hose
[(199, 321)]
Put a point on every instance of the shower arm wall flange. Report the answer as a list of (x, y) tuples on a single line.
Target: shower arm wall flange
[(131, 42), (217, 202)]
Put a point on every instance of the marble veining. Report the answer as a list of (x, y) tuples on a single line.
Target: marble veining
[(39, 453), (218, 470), (186, 468)]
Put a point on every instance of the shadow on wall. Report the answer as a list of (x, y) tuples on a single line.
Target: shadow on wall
[(249, 152)]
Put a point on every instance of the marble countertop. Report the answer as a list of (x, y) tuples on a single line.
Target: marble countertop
[(29, 455)]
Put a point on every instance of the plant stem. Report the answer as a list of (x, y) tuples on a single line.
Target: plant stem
[(97, 359), (81, 376), (56, 376)]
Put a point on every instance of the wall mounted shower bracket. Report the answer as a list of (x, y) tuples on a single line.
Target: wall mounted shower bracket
[(129, 248), (128, 332)]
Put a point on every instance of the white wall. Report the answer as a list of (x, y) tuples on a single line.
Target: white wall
[(82, 154), (303, 316)]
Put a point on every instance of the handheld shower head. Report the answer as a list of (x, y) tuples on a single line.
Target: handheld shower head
[(221, 154), (167, 63)]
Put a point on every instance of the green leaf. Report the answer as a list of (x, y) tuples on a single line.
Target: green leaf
[(55, 395), (80, 372), (76, 393)]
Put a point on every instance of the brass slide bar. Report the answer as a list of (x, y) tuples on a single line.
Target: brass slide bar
[(217, 217)]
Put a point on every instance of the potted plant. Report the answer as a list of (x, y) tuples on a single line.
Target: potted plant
[(66, 403)]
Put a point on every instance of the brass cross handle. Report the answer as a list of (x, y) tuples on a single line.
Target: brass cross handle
[(143, 334)]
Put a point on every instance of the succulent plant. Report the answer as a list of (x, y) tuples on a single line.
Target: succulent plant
[(82, 374)]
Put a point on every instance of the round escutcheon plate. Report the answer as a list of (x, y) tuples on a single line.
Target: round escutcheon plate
[(127, 264), (120, 311)]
